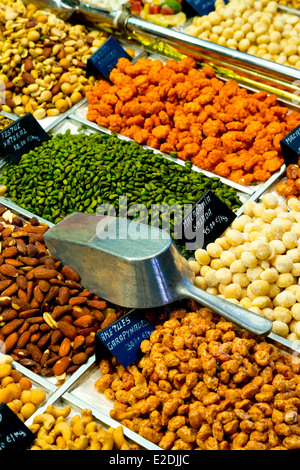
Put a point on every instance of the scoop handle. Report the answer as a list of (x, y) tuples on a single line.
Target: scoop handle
[(246, 319)]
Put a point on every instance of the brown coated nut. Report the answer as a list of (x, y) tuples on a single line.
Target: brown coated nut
[(97, 304), (43, 273), (23, 339), (35, 352), (28, 65), (38, 294), (65, 347), (4, 284), (67, 329), (80, 358), (8, 270), (64, 295), (12, 289), (70, 274), (84, 321), (28, 78), (61, 365), (10, 252), (79, 341), (10, 342), (11, 326)]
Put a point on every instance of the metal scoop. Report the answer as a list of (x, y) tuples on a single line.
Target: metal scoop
[(135, 265)]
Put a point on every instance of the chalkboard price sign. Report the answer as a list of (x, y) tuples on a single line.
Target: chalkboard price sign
[(290, 146), (123, 338), (14, 435), (106, 58), (21, 136), (205, 222)]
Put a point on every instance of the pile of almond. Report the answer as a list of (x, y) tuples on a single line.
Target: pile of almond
[(48, 321)]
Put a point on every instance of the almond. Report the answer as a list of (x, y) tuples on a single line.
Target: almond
[(43, 273), (64, 295), (85, 321), (78, 341), (61, 365), (67, 329), (98, 304), (8, 314), (65, 347), (10, 252), (44, 285), (19, 304), (11, 326), (70, 274), (21, 245), (23, 339), (28, 79), (22, 282), (38, 294), (28, 65), (11, 290), (4, 284), (42, 343), (77, 300), (29, 261), (56, 336), (80, 358), (61, 310), (11, 341), (9, 270), (35, 352)]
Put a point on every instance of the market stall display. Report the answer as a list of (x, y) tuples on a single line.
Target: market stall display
[(160, 131)]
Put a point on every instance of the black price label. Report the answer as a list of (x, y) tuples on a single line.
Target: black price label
[(203, 7), (122, 338), (21, 136), (106, 58), (290, 146), (205, 222), (14, 435)]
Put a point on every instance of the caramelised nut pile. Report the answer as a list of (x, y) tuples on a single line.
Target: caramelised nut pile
[(256, 263), (43, 60), (48, 321), (202, 383), (57, 430)]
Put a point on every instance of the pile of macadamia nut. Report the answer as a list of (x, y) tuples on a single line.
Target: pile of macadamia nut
[(256, 263), (255, 27), (43, 60)]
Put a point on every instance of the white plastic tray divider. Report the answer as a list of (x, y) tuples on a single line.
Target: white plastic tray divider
[(244, 189)]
